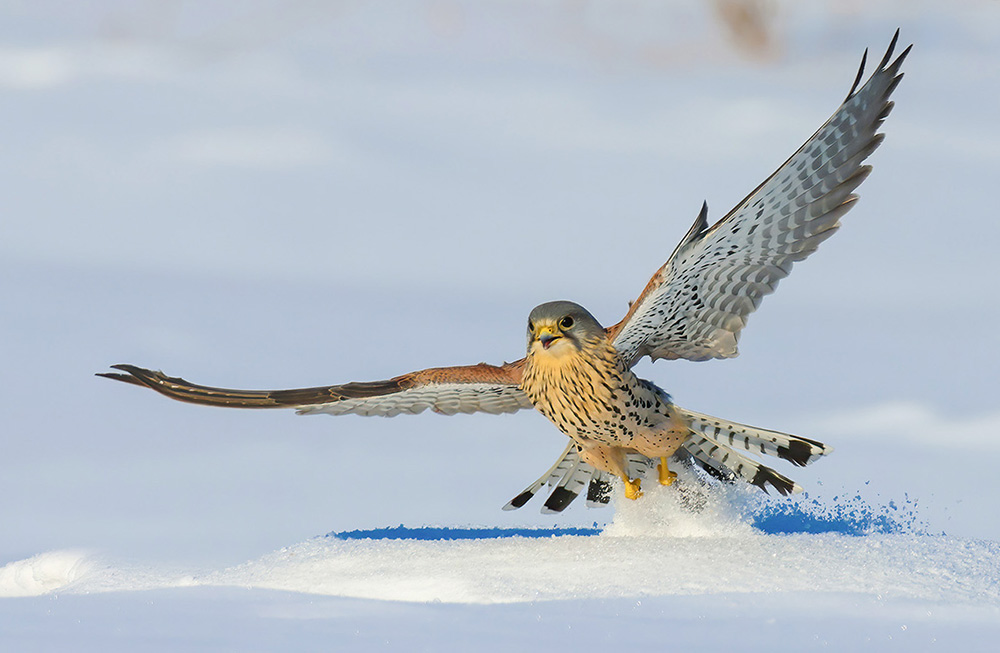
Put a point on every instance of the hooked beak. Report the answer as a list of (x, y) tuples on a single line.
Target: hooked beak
[(547, 335)]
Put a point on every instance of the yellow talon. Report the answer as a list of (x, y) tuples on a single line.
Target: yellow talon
[(632, 490), (666, 476)]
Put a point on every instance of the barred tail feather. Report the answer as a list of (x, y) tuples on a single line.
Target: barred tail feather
[(567, 461), (713, 444), (569, 488), (725, 463), (571, 475), (796, 450), (599, 490)]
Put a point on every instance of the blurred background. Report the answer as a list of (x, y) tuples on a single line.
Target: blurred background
[(278, 194)]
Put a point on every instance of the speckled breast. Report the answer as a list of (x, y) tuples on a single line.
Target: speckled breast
[(592, 397)]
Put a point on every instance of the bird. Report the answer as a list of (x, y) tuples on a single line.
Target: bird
[(578, 373)]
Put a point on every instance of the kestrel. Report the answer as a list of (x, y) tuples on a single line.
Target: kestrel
[(579, 374)]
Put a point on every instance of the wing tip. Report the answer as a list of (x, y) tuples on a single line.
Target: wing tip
[(889, 50), (133, 374), (182, 390), (117, 376), (859, 76), (886, 64)]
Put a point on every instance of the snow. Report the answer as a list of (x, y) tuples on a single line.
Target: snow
[(43, 573), (204, 619), (691, 578), (264, 194), (706, 541)]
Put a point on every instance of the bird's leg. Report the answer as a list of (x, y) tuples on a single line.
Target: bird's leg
[(632, 488), (667, 477), (611, 459)]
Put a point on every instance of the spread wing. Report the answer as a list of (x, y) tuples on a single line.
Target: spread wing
[(447, 390), (696, 304)]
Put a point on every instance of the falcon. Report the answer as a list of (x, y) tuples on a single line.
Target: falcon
[(579, 374)]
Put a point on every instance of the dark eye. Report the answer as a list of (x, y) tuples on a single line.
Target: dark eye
[(531, 325), (566, 322)]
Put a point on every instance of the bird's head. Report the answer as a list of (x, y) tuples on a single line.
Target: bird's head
[(561, 328)]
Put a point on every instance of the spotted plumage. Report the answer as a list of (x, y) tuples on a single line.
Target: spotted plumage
[(575, 377), (579, 374)]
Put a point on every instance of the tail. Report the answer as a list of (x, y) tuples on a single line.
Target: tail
[(570, 476), (714, 443)]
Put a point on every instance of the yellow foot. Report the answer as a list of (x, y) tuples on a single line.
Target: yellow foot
[(666, 476), (632, 490)]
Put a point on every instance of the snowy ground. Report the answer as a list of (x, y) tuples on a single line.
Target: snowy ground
[(657, 572), (284, 194)]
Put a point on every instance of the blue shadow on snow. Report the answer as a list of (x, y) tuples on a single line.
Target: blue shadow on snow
[(443, 533), (853, 517)]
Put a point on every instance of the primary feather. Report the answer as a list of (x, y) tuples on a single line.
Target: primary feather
[(695, 306)]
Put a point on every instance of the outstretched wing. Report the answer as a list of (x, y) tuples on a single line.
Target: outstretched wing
[(447, 390), (696, 304)]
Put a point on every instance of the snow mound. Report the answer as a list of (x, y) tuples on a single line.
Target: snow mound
[(668, 544), (672, 543), (43, 573), (579, 567)]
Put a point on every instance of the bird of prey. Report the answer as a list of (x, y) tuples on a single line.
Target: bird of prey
[(579, 374)]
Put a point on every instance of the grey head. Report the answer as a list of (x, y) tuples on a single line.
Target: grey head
[(562, 320)]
